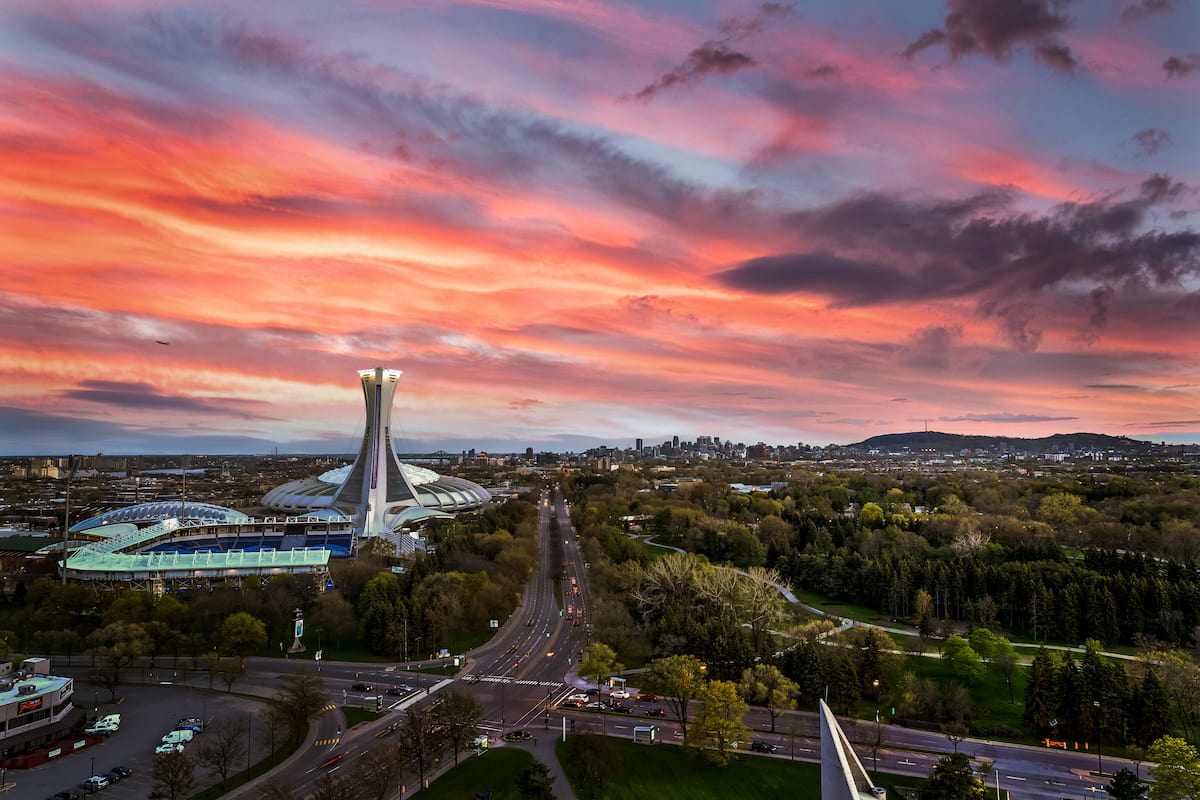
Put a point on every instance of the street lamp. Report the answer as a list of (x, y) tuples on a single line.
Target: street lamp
[(1099, 758)]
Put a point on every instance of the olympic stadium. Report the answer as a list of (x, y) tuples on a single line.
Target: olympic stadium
[(326, 516)]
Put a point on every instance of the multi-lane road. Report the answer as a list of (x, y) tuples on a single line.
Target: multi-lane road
[(524, 672)]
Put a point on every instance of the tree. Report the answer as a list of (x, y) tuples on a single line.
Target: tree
[(597, 759), (952, 779), (599, 662), (273, 725), (765, 685), (679, 679), (1040, 693), (242, 634), (1126, 786), (1005, 660), (963, 659), (302, 697), (277, 787), (535, 783), (378, 772), (718, 726), (955, 732), (420, 743), (1177, 774), (230, 674), (459, 715), (174, 775), (330, 787), (116, 646), (1151, 711), (224, 746), (335, 617)]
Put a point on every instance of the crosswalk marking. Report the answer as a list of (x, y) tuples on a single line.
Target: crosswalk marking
[(523, 682), (323, 742)]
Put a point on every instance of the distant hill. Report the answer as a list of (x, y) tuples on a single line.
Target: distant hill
[(953, 442)]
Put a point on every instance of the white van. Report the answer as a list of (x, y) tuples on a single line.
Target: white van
[(178, 737), (109, 719)]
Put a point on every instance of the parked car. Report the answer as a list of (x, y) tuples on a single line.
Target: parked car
[(763, 747), (656, 712), (648, 698), (361, 687), (124, 772), (619, 694), (571, 704), (96, 783), (66, 796), (621, 709), (189, 724), (178, 737), (113, 777), (169, 747)]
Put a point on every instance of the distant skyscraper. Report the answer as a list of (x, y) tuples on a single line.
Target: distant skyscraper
[(529, 452), (675, 441), (376, 482), (637, 445)]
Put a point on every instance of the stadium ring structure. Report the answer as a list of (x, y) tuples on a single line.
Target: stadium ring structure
[(194, 544)]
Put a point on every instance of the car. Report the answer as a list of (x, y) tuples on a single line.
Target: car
[(591, 691), (194, 724), (333, 759), (580, 697), (570, 704), (361, 687), (648, 698), (66, 796), (763, 747), (656, 712), (178, 737), (402, 688), (619, 694), (595, 706), (621, 709), (124, 772), (113, 777), (96, 783), (110, 719), (169, 747)]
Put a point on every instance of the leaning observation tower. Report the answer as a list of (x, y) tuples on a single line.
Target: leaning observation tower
[(385, 493)]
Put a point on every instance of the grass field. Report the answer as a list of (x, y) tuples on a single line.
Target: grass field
[(666, 772), (355, 716), (495, 771), (839, 609)]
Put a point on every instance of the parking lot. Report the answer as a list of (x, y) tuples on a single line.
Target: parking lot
[(147, 712)]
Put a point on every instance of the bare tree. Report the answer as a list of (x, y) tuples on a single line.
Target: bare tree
[(277, 787), (459, 715), (329, 787), (224, 746), (273, 726), (174, 775), (230, 673), (420, 743), (303, 697), (378, 772)]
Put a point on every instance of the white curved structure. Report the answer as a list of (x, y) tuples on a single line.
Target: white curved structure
[(378, 488)]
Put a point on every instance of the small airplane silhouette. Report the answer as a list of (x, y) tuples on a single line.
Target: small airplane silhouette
[(160, 341)]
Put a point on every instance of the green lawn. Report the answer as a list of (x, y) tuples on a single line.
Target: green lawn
[(840, 609), (495, 771), (667, 772), (355, 716)]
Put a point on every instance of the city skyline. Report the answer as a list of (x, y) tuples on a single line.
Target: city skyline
[(582, 224)]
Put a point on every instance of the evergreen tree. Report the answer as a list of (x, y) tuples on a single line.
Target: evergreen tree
[(535, 783), (1126, 786), (1151, 711), (1040, 694), (953, 779)]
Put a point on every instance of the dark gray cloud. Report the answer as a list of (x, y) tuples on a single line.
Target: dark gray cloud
[(1151, 140), (930, 348), (708, 58), (716, 56), (1173, 423), (1004, 417), (1113, 386), (1181, 66), (1135, 12), (133, 395), (876, 248), (998, 27)]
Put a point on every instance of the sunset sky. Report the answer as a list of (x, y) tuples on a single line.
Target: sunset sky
[(577, 222)]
